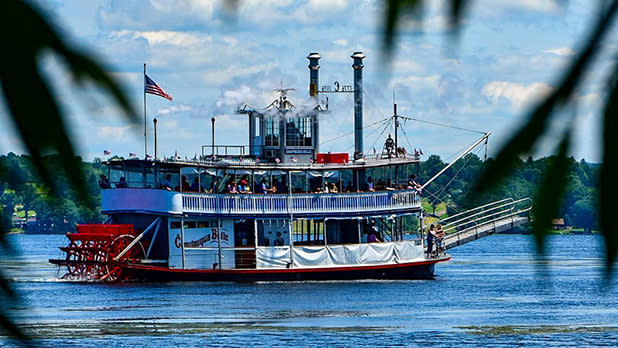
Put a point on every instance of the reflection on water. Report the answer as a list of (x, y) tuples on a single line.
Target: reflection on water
[(493, 293)]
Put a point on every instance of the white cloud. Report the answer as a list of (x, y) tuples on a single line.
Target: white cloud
[(500, 7), (164, 14), (417, 82), (562, 51), (176, 38), (114, 133), (178, 109), (221, 76), (519, 95)]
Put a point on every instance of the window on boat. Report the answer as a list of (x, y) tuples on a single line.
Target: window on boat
[(271, 125), (388, 177), (258, 176), (191, 179), (298, 131), (116, 171), (189, 224), (150, 176), (169, 178), (299, 181), (308, 232), (332, 177), (267, 231), (206, 223), (389, 228), (409, 227), (342, 231), (347, 180), (279, 180), (207, 180), (316, 180)]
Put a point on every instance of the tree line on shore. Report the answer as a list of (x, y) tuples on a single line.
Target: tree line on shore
[(23, 195)]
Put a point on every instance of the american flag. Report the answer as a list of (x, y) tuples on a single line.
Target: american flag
[(152, 88), (294, 159), (106, 153), (148, 156), (131, 154)]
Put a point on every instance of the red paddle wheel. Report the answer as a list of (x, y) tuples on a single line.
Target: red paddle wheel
[(98, 252)]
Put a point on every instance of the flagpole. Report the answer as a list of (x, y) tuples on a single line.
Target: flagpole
[(145, 138)]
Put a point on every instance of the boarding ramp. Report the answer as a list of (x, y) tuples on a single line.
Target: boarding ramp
[(496, 217)]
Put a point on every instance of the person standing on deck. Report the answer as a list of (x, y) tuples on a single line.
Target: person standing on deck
[(431, 236)]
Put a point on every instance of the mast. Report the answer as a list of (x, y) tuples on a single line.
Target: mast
[(396, 127), (145, 138)]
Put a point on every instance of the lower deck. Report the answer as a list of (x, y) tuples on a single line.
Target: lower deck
[(229, 244)]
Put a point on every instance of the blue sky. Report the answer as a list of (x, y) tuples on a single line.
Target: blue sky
[(508, 55)]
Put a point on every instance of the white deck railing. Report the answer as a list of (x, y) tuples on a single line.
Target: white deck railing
[(299, 203)]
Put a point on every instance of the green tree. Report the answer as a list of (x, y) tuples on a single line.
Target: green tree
[(584, 214)]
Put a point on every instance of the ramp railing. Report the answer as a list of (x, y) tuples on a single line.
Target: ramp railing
[(488, 216)]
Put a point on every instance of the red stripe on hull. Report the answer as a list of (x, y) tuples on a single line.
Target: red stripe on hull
[(413, 270)]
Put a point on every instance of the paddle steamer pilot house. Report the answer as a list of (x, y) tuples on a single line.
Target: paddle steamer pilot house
[(275, 209)]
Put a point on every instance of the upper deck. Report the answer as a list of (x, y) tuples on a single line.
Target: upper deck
[(156, 201), (202, 188)]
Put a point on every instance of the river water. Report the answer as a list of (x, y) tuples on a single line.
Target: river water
[(494, 292)]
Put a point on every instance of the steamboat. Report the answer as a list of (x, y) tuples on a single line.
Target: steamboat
[(277, 209)]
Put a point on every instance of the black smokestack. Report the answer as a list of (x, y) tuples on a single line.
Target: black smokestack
[(358, 104), (314, 66)]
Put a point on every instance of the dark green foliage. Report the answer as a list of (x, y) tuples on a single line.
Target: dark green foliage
[(579, 205), (549, 193), (57, 211)]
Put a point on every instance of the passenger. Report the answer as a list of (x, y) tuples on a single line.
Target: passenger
[(333, 188), (185, 184), (231, 187), (318, 190), (195, 187), (104, 182), (439, 238), (374, 234), (373, 237), (243, 187), (370, 185), (279, 241), (167, 184), (279, 187), (326, 187), (122, 183), (350, 187), (214, 187), (431, 236), (414, 185), (263, 188)]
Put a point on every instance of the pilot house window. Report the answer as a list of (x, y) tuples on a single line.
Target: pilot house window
[(298, 131), (272, 131)]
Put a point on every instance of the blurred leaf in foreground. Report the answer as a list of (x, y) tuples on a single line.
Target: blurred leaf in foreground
[(33, 108)]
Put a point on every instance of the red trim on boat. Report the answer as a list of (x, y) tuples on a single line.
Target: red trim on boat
[(283, 270)]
